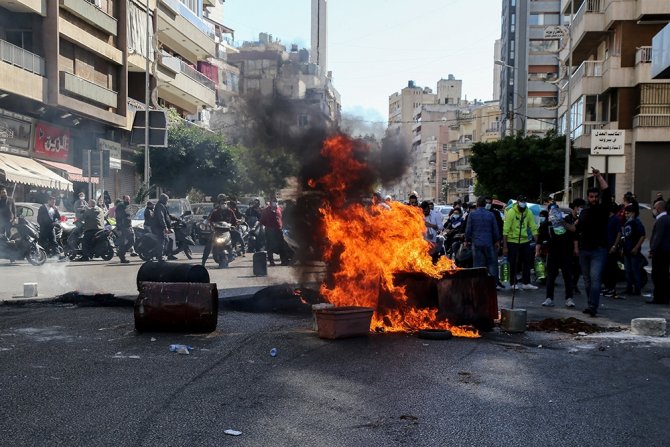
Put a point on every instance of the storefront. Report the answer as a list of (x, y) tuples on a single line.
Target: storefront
[(29, 181)]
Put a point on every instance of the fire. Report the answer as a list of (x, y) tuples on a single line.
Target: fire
[(368, 246)]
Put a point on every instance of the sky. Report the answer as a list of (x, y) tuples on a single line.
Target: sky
[(376, 46)]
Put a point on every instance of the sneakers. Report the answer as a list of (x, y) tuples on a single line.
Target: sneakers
[(590, 311), (569, 303), (548, 302), (528, 287), (609, 293)]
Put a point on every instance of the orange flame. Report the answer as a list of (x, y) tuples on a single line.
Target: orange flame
[(370, 246)]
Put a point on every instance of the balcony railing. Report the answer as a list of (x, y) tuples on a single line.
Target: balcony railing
[(651, 121), (21, 58), (588, 69), (643, 55), (187, 70), (191, 16), (589, 6)]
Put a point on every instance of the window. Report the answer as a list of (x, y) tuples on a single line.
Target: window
[(20, 38), (542, 101), (542, 46), (191, 4), (543, 19), (542, 76), (445, 148), (445, 165)]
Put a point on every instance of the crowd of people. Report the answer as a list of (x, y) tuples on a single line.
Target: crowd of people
[(589, 242)]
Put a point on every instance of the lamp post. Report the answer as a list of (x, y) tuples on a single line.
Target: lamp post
[(503, 64), (147, 93)]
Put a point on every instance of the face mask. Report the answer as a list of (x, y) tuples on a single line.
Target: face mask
[(542, 219), (488, 206), (456, 216), (522, 205)]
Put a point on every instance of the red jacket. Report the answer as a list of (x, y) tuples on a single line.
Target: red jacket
[(271, 218)]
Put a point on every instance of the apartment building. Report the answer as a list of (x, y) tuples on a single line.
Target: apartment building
[(529, 61), (72, 76), (268, 69), (611, 87)]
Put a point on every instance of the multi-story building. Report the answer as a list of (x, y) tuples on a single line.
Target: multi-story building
[(528, 98), (63, 92), (72, 76), (268, 69), (611, 87)]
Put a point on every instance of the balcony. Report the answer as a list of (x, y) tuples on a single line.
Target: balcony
[(26, 6), (652, 122), (91, 14), (587, 79), (586, 29), (22, 72), (91, 91), (183, 85), (183, 31), (653, 8)]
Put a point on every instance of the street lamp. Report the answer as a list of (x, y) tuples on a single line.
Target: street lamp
[(504, 64)]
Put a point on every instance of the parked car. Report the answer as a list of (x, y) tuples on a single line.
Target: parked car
[(444, 211), (29, 210), (176, 208)]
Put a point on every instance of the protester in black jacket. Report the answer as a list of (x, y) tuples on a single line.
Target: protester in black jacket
[(124, 225), (659, 251), (47, 216), (161, 223), (593, 249)]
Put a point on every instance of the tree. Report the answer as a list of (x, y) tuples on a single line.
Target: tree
[(521, 165), (195, 158)]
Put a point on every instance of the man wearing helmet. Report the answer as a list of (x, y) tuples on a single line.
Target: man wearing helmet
[(218, 214)]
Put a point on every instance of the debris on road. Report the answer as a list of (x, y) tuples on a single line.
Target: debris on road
[(569, 325), (232, 432), (181, 349)]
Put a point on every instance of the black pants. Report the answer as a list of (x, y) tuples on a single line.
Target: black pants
[(4, 229), (236, 238), (276, 244), (611, 270), (660, 274), (48, 240), (559, 258), (87, 244), (520, 256), (126, 241)]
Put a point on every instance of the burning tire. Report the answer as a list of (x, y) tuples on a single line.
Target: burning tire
[(434, 334)]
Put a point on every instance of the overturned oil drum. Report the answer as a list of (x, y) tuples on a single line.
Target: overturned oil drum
[(177, 307), (171, 272)]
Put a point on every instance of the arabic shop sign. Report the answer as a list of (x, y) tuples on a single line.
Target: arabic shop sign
[(14, 133), (607, 142), (52, 142), (114, 149)]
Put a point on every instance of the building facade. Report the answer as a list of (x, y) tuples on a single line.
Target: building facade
[(611, 88), (529, 61), (72, 76)]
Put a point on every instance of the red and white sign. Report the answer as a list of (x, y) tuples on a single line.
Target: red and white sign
[(52, 141)]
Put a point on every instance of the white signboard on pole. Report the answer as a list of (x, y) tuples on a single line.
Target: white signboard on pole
[(615, 164), (553, 32), (114, 149), (607, 142)]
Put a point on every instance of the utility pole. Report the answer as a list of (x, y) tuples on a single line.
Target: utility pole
[(147, 98)]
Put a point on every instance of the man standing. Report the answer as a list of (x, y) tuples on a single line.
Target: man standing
[(94, 221), (271, 218), (432, 227), (124, 224), (47, 216), (149, 217), (592, 231), (162, 223), (80, 206), (519, 224), (7, 212), (482, 232), (659, 251), (217, 215)]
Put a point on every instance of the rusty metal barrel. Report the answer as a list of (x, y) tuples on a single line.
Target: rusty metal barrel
[(171, 272), (175, 297)]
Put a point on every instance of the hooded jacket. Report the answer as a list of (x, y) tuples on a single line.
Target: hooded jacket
[(517, 224)]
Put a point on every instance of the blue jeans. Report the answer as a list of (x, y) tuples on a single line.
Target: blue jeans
[(486, 256), (633, 265), (593, 263)]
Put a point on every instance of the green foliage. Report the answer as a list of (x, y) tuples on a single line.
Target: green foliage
[(520, 165), (264, 169), (194, 158)]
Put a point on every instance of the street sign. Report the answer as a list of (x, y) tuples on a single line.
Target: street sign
[(607, 164), (607, 142), (114, 150), (553, 32), (158, 128)]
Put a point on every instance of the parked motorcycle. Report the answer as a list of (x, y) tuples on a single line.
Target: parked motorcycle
[(222, 244), (103, 244), (255, 237), (23, 243), (150, 246)]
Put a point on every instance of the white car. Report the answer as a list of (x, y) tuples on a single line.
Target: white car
[(444, 211)]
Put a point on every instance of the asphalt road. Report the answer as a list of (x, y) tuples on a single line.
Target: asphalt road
[(82, 376)]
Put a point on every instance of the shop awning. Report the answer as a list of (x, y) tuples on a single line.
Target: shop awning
[(72, 173), (29, 172)]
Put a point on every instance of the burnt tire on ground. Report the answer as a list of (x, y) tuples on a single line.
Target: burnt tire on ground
[(434, 334)]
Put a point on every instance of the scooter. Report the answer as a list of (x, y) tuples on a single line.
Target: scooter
[(150, 246), (103, 244), (222, 244), (255, 238), (23, 243)]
